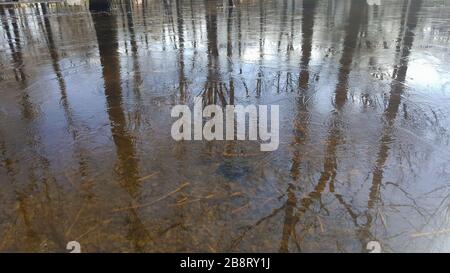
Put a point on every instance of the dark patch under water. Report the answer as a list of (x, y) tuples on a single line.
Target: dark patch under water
[(233, 170), (86, 152)]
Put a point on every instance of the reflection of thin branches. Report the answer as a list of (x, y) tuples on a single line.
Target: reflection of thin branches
[(235, 242), (408, 196)]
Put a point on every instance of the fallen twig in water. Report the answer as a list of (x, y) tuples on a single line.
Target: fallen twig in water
[(147, 176), (241, 208), (433, 233), (153, 202), (69, 230), (92, 229), (212, 196)]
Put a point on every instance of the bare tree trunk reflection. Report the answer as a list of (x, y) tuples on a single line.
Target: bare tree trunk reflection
[(309, 7), (214, 89), (403, 50), (182, 84), (28, 110), (16, 54), (260, 75), (108, 48), (128, 170), (169, 14), (230, 51), (62, 87), (38, 221), (194, 28), (300, 122), (358, 13), (283, 22), (300, 128), (134, 50), (329, 172), (395, 97)]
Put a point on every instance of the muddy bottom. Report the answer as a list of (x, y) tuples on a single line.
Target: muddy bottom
[(86, 152)]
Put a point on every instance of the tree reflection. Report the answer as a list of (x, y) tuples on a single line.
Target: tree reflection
[(128, 170)]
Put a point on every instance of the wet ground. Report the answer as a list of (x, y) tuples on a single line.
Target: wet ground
[(86, 152)]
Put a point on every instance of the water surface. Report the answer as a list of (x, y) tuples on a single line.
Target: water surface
[(86, 152)]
